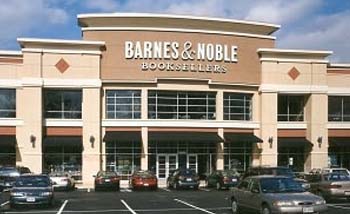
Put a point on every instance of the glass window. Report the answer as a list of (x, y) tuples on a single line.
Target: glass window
[(63, 104), (291, 108), (123, 104), (181, 105), (338, 108), (237, 106), (7, 103)]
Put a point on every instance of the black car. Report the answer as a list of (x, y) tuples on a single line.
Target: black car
[(107, 180), (32, 189), (183, 178), (223, 179)]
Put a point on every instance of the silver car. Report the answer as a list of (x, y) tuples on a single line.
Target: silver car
[(62, 180), (274, 194)]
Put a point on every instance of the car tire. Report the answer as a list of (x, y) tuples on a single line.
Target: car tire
[(218, 186), (234, 207), (265, 209)]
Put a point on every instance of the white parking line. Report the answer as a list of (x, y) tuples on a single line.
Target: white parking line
[(62, 207), (195, 207), (5, 203), (338, 206), (205, 189), (127, 206)]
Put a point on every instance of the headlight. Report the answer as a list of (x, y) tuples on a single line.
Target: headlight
[(46, 193), (283, 203), (320, 202), (17, 194)]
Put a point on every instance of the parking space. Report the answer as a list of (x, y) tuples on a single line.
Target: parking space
[(128, 201)]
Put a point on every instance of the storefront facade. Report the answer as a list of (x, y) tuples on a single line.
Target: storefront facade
[(161, 92)]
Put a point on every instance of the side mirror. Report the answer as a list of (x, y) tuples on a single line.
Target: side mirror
[(255, 190)]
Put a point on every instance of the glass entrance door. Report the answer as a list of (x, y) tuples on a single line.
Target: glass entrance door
[(192, 162), (166, 164)]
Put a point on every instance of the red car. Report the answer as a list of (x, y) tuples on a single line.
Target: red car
[(143, 179), (107, 180)]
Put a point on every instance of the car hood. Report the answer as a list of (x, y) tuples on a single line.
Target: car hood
[(303, 196)]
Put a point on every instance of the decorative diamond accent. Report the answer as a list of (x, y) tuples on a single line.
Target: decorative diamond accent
[(293, 73), (62, 65)]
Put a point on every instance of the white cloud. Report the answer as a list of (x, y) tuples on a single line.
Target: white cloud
[(102, 5), (18, 17), (327, 32)]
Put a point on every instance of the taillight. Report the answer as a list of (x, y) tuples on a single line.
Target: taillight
[(115, 179), (99, 180), (226, 179), (181, 177)]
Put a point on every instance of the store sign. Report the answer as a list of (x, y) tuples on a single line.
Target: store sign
[(200, 57)]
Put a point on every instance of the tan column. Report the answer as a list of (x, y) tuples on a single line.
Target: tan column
[(317, 132), (144, 150), (91, 135), (29, 135), (220, 151), (144, 104), (256, 117), (269, 129)]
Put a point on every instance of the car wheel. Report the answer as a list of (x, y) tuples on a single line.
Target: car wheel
[(218, 186), (175, 185), (265, 209), (234, 207)]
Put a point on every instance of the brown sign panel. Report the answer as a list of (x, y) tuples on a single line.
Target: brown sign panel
[(145, 55)]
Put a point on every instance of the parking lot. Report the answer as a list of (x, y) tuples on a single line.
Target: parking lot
[(163, 200)]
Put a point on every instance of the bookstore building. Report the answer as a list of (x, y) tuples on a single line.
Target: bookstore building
[(160, 92)]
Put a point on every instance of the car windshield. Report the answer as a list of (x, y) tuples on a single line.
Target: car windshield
[(340, 171), (32, 181), (230, 173), (337, 177), (144, 174), (280, 185), (187, 172), (8, 169)]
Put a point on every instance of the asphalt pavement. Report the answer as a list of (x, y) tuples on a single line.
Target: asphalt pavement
[(126, 201)]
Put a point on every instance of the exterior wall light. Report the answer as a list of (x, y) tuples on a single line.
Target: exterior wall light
[(319, 141), (32, 140), (92, 141), (270, 140)]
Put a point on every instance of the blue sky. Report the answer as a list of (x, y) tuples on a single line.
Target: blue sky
[(306, 24)]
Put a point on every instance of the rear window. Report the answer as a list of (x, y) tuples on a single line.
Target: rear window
[(230, 173), (337, 177), (144, 173), (340, 171), (187, 172), (107, 174)]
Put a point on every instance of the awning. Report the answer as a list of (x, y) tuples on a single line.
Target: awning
[(294, 142), (339, 141), (7, 140), (164, 136), (132, 136), (242, 137), (67, 141)]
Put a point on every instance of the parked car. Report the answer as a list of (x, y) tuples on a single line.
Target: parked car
[(8, 175), (183, 178), (62, 180), (32, 189), (143, 179), (274, 194), (223, 179), (279, 170), (107, 180), (335, 170), (6, 182), (9, 171), (329, 186)]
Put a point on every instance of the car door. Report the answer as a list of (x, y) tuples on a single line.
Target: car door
[(253, 195), (241, 193)]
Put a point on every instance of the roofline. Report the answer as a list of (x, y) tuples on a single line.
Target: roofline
[(294, 51), (21, 41), (10, 53), (339, 65), (159, 15)]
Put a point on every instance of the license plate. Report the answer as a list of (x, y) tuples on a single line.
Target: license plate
[(308, 209), (347, 193), (188, 179), (107, 180), (146, 185), (30, 199), (234, 179)]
